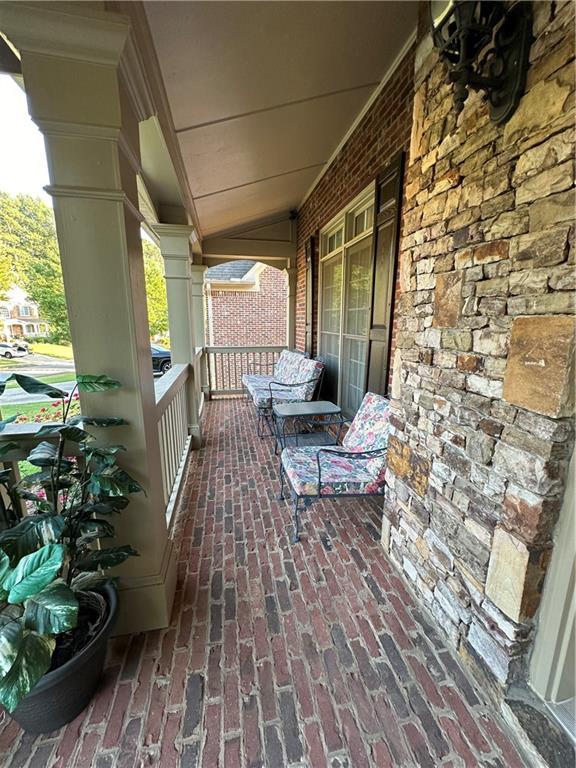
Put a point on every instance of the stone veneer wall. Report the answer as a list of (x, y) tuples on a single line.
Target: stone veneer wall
[(481, 433)]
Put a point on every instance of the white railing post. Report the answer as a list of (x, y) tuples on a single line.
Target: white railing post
[(184, 291)]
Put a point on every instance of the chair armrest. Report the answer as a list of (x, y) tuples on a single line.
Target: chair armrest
[(354, 455), (284, 384)]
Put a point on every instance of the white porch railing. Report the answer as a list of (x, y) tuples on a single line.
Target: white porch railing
[(172, 415), (226, 365)]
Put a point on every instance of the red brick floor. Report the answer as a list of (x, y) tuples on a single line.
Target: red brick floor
[(309, 655)]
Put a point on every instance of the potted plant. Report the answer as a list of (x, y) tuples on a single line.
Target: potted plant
[(56, 606)]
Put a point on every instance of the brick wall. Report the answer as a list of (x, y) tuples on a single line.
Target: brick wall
[(384, 130), (249, 318), (481, 433)]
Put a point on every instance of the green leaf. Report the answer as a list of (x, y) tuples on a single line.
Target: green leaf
[(113, 481), (33, 386), (71, 433), (88, 579), (11, 636), (32, 662), (4, 422), (96, 421), (52, 611), (7, 447), (98, 529), (43, 455), (90, 383), (4, 565), (105, 558), (34, 572)]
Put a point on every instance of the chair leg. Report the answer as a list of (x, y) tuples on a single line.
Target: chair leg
[(281, 496), (295, 538)]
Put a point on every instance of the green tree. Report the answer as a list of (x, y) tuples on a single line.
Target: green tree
[(155, 289), (30, 258)]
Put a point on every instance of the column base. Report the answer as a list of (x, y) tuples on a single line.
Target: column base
[(146, 601)]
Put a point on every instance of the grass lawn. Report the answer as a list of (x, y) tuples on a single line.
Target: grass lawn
[(61, 351), (24, 409), (51, 378)]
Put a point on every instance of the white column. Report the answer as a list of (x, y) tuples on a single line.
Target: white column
[(181, 289), (70, 62), (291, 282)]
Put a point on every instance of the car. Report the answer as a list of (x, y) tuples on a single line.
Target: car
[(11, 350), (161, 359)]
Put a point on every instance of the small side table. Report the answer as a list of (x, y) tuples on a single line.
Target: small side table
[(312, 414)]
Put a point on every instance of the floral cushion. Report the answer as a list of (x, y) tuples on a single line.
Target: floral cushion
[(339, 474), (370, 427), (296, 369), (290, 368), (261, 395), (256, 380)]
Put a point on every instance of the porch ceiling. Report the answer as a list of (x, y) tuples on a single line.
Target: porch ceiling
[(262, 93)]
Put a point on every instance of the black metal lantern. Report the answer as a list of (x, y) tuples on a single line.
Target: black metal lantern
[(486, 44)]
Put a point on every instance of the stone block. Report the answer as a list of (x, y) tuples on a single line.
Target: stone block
[(543, 304), (540, 370), (409, 466), (492, 251), (529, 281), (515, 576), (539, 249), (487, 342), (525, 469), (498, 286), (555, 179), (537, 108), (491, 653), (547, 155), (447, 299), (511, 223), (529, 516), (554, 209), (483, 386), (469, 363), (458, 340)]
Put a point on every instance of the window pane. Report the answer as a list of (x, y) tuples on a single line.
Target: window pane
[(353, 374), (330, 321), (358, 288), (356, 324)]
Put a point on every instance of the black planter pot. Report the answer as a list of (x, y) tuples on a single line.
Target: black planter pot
[(62, 694)]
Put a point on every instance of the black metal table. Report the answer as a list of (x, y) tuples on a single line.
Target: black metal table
[(310, 423)]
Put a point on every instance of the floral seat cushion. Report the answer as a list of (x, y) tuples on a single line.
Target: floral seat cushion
[(261, 395), (340, 474), (297, 370)]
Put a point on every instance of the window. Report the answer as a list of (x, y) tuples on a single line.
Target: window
[(4, 313), (345, 301), (25, 311)]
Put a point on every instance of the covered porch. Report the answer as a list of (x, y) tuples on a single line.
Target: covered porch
[(429, 257), (277, 655)]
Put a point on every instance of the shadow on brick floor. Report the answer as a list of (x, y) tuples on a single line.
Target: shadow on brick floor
[(309, 655)]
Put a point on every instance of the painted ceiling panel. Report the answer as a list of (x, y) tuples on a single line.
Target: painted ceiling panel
[(259, 89)]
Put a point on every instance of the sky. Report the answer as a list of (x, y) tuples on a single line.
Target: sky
[(23, 165)]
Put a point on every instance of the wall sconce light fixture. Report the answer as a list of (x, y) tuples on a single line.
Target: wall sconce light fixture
[(486, 44)]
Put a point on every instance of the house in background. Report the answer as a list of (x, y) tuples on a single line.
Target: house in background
[(19, 317), (245, 304)]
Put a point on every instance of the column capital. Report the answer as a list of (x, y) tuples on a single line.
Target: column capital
[(197, 272), (65, 30), (174, 230)]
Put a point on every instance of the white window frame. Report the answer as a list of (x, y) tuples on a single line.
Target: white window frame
[(345, 220)]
